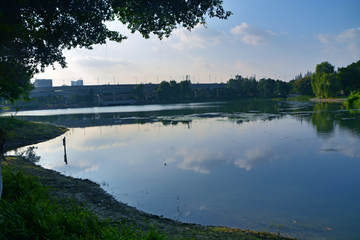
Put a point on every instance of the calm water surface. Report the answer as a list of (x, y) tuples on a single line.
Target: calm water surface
[(240, 164)]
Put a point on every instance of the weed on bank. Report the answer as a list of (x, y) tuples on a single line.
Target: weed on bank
[(28, 212)]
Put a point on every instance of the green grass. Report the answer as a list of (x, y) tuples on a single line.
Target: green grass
[(28, 212)]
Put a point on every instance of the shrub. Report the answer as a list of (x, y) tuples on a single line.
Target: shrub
[(353, 99)]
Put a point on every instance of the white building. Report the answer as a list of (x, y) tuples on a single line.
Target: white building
[(43, 83), (79, 82)]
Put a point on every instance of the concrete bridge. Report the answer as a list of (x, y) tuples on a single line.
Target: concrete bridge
[(115, 94)]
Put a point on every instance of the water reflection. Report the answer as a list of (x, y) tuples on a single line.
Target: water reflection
[(255, 157), (238, 164), (201, 160)]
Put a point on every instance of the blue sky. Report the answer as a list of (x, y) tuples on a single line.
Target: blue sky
[(267, 38)]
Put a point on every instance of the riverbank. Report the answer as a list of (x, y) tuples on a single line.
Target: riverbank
[(91, 196)]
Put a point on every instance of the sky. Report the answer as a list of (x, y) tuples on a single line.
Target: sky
[(276, 39)]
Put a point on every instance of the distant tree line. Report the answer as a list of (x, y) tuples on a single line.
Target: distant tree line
[(325, 82), (173, 91)]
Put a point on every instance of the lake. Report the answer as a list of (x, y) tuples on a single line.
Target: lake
[(245, 164)]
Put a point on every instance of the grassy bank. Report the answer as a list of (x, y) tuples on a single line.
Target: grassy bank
[(23, 133), (39, 203)]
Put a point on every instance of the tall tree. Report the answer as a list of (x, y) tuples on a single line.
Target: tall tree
[(324, 81), (174, 90), (303, 86), (163, 91), (349, 77), (185, 89), (266, 87), (138, 91), (234, 87), (281, 88)]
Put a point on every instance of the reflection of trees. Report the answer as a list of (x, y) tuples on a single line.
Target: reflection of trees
[(140, 121), (186, 123), (322, 119), (351, 122), (326, 116), (166, 122)]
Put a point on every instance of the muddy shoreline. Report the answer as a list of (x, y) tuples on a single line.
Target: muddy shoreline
[(91, 196), (329, 100)]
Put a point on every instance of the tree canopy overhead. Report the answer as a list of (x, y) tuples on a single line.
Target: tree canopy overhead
[(34, 33)]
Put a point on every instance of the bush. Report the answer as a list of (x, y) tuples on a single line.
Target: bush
[(353, 99)]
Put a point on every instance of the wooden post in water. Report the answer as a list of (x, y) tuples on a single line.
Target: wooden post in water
[(64, 144)]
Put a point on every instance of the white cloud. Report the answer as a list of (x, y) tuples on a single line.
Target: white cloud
[(349, 36), (324, 38), (346, 44), (253, 35), (254, 157), (201, 160), (199, 37), (202, 63), (99, 61)]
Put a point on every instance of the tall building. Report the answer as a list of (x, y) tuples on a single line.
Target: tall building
[(79, 82), (43, 83)]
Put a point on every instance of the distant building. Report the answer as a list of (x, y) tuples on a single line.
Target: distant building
[(79, 82), (43, 83)]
